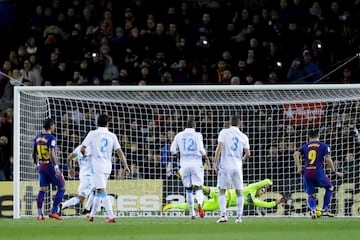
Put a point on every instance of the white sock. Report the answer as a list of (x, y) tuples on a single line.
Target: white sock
[(89, 201), (108, 206), (222, 204), (240, 205), (190, 201), (199, 196), (96, 203), (71, 202)]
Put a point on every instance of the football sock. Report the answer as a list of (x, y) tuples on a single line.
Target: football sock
[(312, 202), (108, 206), (71, 202), (96, 203), (90, 201), (222, 204), (240, 205), (39, 202), (327, 199), (190, 201), (58, 197), (199, 196)]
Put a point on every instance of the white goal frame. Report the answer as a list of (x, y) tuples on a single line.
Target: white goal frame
[(260, 99)]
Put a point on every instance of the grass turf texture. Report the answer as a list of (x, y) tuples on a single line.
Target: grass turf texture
[(181, 228)]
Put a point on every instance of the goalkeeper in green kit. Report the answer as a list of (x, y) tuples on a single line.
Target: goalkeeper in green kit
[(252, 192)]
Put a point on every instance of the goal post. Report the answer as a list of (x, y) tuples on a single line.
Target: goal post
[(145, 118)]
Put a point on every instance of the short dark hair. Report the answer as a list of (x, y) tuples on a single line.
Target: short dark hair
[(48, 123), (235, 120), (102, 120), (313, 133), (191, 122)]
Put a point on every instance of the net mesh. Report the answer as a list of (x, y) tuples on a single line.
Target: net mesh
[(146, 120)]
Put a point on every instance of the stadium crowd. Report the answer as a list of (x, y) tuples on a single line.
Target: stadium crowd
[(138, 42)]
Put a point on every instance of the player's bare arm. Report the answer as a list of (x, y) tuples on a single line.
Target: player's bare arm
[(297, 156), (207, 161), (330, 163), (82, 149), (217, 156), (247, 154), (70, 163), (53, 160), (34, 156), (123, 160), (35, 159)]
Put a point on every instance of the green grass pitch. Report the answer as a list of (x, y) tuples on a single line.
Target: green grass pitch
[(182, 228)]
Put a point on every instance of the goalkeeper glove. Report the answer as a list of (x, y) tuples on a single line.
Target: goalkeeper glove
[(178, 174), (282, 200)]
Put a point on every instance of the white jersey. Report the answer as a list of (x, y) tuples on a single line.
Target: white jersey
[(102, 143), (84, 162), (191, 147), (234, 142)]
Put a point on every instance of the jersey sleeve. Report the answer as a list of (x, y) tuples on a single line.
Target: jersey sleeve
[(86, 141), (201, 144), (259, 203), (174, 146), (221, 136), (246, 143), (116, 142), (53, 142), (257, 185)]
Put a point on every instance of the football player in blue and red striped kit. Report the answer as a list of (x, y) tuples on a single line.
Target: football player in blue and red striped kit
[(44, 156), (314, 153)]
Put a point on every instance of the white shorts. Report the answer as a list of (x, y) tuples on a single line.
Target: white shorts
[(86, 186), (230, 178), (100, 180), (192, 176)]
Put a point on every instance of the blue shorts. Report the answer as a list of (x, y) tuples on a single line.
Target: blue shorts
[(47, 176), (313, 179)]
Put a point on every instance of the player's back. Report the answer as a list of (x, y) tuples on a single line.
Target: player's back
[(234, 142), (43, 143), (314, 153), (102, 143), (190, 145)]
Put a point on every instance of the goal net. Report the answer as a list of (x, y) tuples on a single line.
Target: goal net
[(146, 118)]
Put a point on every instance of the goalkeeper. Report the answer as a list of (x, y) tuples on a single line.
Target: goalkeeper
[(252, 193)]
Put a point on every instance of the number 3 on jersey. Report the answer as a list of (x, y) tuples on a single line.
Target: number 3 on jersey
[(235, 145)]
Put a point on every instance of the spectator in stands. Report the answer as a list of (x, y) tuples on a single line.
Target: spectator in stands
[(348, 165), (295, 73), (346, 77), (312, 70), (235, 80), (217, 72), (293, 41), (63, 74), (4, 161), (179, 72), (33, 75), (111, 71)]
